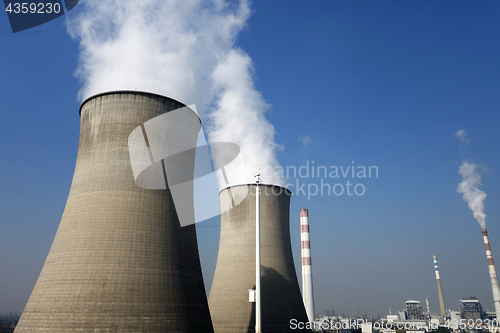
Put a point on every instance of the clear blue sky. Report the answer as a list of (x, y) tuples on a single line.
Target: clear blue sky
[(380, 83)]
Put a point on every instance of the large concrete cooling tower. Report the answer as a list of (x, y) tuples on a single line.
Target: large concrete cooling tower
[(120, 262), (235, 270)]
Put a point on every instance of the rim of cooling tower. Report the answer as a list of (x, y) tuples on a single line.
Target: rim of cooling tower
[(253, 184), (127, 91)]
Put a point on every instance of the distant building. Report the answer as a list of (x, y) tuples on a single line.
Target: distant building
[(366, 328), (402, 315), (349, 331), (470, 308), (453, 318), (491, 315), (392, 318), (413, 310), (434, 321)]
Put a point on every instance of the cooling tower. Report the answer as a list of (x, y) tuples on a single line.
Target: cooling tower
[(120, 262), (307, 285), (442, 307), (235, 270), (493, 274)]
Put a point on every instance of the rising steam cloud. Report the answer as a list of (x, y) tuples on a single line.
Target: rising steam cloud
[(462, 136), (184, 49), (471, 180)]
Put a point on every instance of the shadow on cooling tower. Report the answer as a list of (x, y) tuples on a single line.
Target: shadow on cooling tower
[(120, 260), (234, 274), (276, 314)]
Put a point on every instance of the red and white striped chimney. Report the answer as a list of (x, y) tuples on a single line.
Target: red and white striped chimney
[(493, 274), (307, 285)]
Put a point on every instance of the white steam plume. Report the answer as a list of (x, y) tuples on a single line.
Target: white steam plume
[(462, 136), (183, 49), (239, 117), (471, 180)]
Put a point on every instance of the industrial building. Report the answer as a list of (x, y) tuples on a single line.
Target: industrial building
[(235, 269), (120, 261), (470, 308), (413, 310)]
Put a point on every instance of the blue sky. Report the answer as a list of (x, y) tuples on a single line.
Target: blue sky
[(380, 83)]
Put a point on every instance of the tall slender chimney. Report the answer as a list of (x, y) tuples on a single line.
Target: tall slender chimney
[(307, 285), (493, 274), (442, 307)]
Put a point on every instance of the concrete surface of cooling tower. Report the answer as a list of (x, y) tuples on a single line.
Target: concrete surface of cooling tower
[(235, 269), (120, 262)]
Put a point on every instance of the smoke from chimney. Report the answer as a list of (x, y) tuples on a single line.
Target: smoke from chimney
[(471, 180), (182, 49)]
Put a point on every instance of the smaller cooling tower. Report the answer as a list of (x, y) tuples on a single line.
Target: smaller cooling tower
[(235, 270)]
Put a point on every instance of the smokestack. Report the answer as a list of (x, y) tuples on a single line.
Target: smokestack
[(307, 285), (235, 269), (442, 307), (493, 274), (120, 261)]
